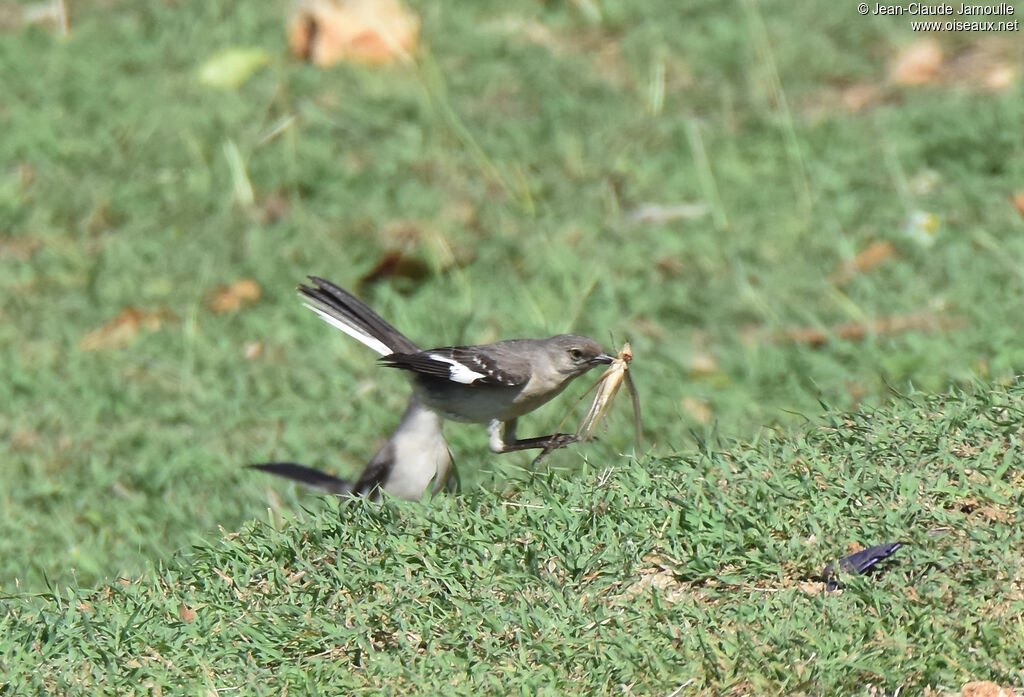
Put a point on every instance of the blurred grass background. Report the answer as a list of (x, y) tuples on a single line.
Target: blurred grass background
[(511, 160)]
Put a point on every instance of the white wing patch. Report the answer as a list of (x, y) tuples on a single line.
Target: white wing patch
[(354, 332), (458, 372)]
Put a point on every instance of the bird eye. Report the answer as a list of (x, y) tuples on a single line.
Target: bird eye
[(575, 354)]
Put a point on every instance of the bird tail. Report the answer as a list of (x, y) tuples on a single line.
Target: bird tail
[(307, 476), (346, 312)]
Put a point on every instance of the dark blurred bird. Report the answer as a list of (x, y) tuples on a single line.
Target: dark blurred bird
[(857, 563)]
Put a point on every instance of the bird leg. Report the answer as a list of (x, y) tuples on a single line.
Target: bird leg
[(502, 439)]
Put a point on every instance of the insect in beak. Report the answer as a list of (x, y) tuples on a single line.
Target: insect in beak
[(608, 385)]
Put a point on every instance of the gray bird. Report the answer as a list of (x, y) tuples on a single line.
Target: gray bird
[(492, 384)]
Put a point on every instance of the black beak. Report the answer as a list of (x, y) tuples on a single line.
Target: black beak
[(603, 358)]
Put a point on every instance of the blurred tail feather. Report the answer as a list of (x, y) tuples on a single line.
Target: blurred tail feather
[(307, 476)]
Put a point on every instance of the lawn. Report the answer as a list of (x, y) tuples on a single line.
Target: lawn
[(790, 234), (695, 574)]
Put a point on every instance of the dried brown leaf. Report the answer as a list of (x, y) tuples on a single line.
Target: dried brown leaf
[(118, 332), (865, 260), (984, 688), (326, 32), (232, 297), (185, 613), (812, 587), (917, 64), (1000, 77), (396, 265), (1018, 202)]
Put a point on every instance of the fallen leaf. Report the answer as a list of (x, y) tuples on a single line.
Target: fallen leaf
[(396, 265), (812, 587), (185, 613), (326, 32), (1000, 77), (984, 688), (229, 298), (118, 332), (415, 250), (1018, 202), (864, 261), (230, 68), (917, 64)]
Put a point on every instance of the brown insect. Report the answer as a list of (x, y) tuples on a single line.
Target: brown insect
[(608, 385)]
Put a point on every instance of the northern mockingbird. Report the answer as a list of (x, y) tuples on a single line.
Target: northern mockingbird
[(492, 384), (416, 457)]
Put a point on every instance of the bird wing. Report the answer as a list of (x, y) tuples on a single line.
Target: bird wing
[(491, 364)]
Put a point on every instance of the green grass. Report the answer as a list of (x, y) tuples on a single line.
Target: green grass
[(698, 571), (519, 144)]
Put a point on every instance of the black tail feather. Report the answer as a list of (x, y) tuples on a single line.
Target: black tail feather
[(307, 476), (347, 307)]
